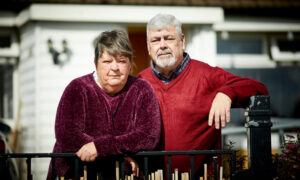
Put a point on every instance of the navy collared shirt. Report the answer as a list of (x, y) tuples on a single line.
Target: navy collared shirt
[(174, 73)]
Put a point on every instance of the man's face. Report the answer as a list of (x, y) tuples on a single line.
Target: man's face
[(166, 47)]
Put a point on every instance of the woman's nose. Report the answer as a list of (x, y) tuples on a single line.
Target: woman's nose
[(114, 66)]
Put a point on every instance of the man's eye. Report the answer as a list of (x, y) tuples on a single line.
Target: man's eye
[(170, 38)]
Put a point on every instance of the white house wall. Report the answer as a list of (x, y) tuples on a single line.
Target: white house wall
[(27, 81), (201, 44), (42, 83)]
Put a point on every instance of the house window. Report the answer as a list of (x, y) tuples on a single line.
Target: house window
[(289, 46), (6, 91), (285, 47), (5, 41), (242, 50), (239, 46), (9, 53)]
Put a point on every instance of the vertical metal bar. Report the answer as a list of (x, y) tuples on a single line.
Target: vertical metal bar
[(215, 167), (122, 169), (76, 168), (53, 167), (192, 167), (3, 166), (169, 167), (146, 167), (232, 163), (281, 140), (100, 175), (28, 162)]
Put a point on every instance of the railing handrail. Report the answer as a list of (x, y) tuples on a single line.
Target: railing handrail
[(141, 153)]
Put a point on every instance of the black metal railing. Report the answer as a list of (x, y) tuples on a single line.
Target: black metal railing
[(258, 124), (145, 155)]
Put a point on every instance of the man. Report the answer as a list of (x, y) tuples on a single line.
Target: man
[(195, 98)]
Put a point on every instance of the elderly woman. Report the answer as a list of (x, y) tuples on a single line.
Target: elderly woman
[(107, 112)]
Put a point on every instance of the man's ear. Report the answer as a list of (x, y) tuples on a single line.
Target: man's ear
[(183, 41), (148, 47)]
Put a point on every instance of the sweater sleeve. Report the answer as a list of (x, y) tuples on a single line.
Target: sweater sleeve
[(145, 134), (70, 119), (237, 88)]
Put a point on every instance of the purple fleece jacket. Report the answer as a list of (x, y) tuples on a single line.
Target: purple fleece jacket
[(125, 123)]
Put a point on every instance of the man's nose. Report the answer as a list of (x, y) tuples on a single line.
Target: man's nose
[(163, 44)]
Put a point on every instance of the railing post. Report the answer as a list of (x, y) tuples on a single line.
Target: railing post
[(76, 169), (232, 163), (53, 167), (146, 168), (4, 167), (258, 124), (192, 167), (215, 160), (122, 169), (28, 162), (169, 167)]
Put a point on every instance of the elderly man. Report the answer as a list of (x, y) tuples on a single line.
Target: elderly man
[(195, 98)]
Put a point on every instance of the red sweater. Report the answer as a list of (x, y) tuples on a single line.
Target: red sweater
[(185, 103)]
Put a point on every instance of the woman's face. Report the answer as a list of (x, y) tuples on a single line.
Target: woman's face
[(112, 72)]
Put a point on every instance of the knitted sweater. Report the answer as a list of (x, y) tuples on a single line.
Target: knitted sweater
[(125, 123), (185, 104)]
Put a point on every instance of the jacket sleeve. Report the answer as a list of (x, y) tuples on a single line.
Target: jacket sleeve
[(70, 119), (237, 88), (145, 134)]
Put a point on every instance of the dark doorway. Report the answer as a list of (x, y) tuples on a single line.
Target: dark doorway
[(141, 59)]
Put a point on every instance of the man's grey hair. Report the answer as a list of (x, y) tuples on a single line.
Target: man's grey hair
[(161, 21)]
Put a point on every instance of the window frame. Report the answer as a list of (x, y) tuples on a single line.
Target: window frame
[(10, 56), (245, 60), (282, 56)]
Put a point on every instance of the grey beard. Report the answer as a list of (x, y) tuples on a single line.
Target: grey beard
[(160, 62), (164, 65)]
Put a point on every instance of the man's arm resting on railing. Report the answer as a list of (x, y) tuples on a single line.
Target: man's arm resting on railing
[(232, 91)]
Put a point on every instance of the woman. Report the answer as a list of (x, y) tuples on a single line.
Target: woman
[(107, 112)]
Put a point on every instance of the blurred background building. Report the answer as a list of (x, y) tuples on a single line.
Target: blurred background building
[(44, 44)]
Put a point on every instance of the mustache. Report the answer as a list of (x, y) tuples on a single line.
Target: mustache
[(164, 52)]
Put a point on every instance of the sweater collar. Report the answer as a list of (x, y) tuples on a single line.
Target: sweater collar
[(174, 73)]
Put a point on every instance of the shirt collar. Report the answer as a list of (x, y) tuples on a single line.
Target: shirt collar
[(174, 73)]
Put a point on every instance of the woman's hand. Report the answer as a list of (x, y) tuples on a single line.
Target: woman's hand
[(87, 152), (134, 165)]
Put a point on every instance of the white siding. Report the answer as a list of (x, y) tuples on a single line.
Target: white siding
[(42, 83), (27, 81), (201, 44)]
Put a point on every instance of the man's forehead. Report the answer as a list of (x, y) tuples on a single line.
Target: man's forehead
[(167, 30)]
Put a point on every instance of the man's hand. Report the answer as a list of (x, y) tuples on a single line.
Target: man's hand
[(134, 165), (87, 152), (220, 110)]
